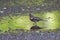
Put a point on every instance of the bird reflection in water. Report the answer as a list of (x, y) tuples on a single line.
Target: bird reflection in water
[(35, 20)]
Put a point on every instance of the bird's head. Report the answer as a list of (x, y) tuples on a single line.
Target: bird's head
[(31, 15)]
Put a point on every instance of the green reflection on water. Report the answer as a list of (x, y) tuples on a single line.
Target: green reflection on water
[(23, 22), (53, 18)]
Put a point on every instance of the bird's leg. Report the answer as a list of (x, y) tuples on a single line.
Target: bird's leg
[(35, 24)]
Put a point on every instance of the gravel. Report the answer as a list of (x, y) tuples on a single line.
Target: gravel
[(31, 36), (47, 5)]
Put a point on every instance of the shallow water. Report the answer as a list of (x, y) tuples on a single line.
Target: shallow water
[(16, 13)]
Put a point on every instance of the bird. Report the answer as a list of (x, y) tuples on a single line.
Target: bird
[(35, 20)]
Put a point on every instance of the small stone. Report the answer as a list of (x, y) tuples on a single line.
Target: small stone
[(37, 8), (23, 9), (1, 11), (28, 7), (4, 8)]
